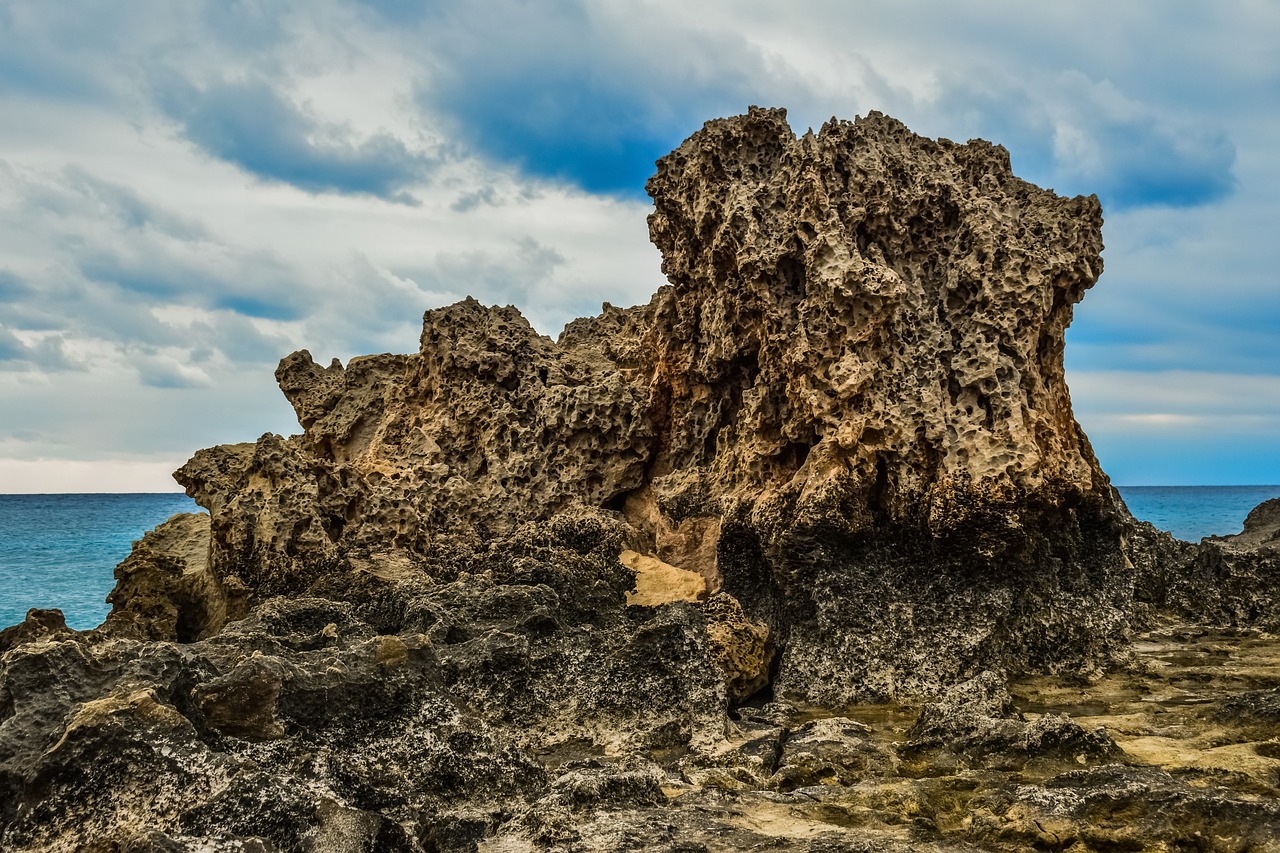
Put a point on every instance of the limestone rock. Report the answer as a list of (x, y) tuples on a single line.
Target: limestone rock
[(164, 589), (1122, 808), (831, 751), (742, 646), (489, 426), (745, 763), (1261, 527), (1160, 565), (975, 722), (847, 410), (1254, 706), (659, 582), (861, 361), (39, 624), (417, 715), (596, 784)]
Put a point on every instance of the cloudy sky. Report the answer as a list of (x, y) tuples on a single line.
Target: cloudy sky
[(190, 190)]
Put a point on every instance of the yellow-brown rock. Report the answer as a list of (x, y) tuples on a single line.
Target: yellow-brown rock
[(164, 588), (741, 646), (847, 410), (659, 582)]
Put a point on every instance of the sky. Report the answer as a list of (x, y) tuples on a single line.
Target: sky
[(190, 191)]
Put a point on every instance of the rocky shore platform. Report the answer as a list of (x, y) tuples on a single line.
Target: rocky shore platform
[(807, 554)]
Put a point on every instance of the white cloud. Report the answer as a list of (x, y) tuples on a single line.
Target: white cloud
[(1183, 392), (1177, 427), (46, 476)]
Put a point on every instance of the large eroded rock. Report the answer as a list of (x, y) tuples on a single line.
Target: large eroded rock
[(847, 411)]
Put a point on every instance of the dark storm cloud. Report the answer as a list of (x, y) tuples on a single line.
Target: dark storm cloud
[(106, 258), (1081, 137), (11, 349), (1151, 164), (561, 91), (182, 278), (400, 12), (252, 125), (128, 208), (237, 336), (510, 277), (12, 288), (1170, 325), (37, 42), (564, 94)]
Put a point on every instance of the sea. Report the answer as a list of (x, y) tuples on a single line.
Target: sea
[(61, 550)]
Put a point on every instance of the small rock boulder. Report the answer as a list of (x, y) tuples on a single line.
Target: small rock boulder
[(975, 722), (831, 751)]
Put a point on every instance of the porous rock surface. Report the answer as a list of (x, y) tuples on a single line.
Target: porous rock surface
[(411, 716), (623, 591), (846, 411), (975, 722)]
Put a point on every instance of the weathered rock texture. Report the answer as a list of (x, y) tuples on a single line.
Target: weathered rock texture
[(619, 591), (390, 715), (847, 411), (1229, 580), (164, 589)]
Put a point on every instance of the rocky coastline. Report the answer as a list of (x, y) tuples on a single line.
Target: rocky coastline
[(808, 553)]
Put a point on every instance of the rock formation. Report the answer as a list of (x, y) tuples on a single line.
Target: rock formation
[(620, 591), (847, 411)]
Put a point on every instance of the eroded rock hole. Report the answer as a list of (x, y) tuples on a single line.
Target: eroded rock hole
[(879, 497), (709, 445), (192, 620), (984, 403), (792, 275), (617, 503), (794, 454)]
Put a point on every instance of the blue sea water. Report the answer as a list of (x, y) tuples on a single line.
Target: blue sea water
[(1194, 512), (60, 550)]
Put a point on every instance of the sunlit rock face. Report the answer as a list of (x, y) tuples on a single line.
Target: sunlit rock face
[(860, 359), (847, 411)]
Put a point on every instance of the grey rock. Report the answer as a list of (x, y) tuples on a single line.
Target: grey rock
[(975, 723), (831, 751)]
